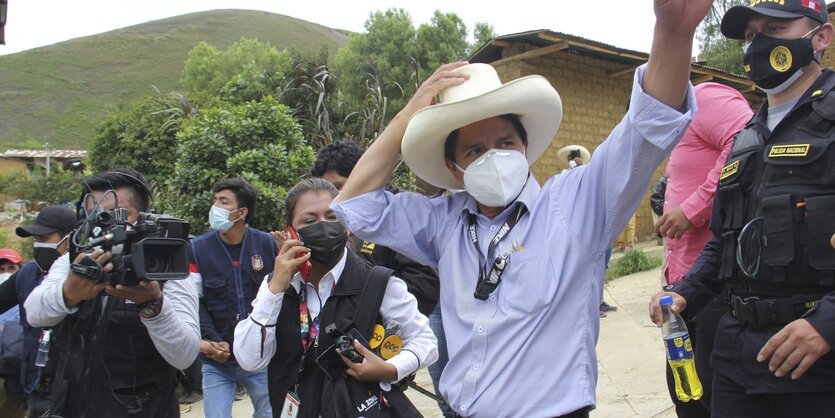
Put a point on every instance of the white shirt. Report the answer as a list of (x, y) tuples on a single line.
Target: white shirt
[(175, 331), (398, 305)]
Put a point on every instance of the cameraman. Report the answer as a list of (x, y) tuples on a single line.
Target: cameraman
[(117, 348)]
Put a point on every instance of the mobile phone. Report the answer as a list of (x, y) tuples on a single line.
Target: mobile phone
[(304, 269)]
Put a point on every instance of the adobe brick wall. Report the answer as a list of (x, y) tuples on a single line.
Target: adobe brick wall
[(593, 104)]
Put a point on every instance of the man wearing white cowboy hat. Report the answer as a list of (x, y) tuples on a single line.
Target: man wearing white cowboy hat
[(520, 265), (574, 155)]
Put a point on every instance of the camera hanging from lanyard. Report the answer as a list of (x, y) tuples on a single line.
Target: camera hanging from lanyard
[(488, 280)]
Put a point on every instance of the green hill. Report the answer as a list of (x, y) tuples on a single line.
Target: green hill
[(58, 93)]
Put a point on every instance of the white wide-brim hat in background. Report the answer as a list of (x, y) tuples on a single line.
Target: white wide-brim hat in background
[(482, 96), (562, 154)]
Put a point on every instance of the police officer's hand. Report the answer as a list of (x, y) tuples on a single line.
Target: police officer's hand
[(679, 305), (832, 241), (77, 289), (794, 349), (218, 352), (372, 369), (287, 263), (145, 291), (673, 224)]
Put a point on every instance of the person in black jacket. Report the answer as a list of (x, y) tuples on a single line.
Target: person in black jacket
[(316, 282), (772, 222), (50, 230)]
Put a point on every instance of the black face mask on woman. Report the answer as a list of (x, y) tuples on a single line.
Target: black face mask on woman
[(774, 64), (326, 241)]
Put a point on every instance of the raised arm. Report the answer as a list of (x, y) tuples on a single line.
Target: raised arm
[(668, 69), (374, 168)]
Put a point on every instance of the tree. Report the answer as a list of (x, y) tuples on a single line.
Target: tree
[(442, 40), (257, 141), (141, 135), (716, 50), (247, 68), (482, 33)]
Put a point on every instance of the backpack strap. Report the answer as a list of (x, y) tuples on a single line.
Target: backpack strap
[(371, 299)]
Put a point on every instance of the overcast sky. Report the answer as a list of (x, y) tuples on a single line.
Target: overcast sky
[(622, 23)]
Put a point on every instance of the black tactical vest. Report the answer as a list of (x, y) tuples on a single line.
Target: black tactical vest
[(108, 365), (775, 201)]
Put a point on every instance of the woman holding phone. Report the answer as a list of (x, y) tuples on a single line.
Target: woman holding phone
[(318, 281)]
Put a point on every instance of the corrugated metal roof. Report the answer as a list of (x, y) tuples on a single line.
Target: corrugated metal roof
[(53, 153)]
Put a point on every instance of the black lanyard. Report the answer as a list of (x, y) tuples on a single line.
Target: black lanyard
[(489, 281)]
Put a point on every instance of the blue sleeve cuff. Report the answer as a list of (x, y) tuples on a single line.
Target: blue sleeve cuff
[(660, 124)]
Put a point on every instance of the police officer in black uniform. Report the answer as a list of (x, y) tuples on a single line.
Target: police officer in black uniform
[(774, 214)]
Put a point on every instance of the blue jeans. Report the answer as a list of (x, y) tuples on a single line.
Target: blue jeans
[(435, 370), (220, 382)]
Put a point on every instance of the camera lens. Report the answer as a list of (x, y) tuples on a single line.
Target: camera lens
[(156, 262)]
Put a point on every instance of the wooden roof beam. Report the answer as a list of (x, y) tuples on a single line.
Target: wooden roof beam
[(533, 53), (623, 71), (701, 79)]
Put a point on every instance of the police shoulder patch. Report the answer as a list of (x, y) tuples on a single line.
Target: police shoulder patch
[(729, 170)]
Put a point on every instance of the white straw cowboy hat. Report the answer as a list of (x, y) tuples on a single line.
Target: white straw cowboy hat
[(562, 154), (482, 96)]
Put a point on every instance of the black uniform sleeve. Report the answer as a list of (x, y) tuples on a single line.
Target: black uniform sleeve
[(8, 294), (822, 317), (702, 282)]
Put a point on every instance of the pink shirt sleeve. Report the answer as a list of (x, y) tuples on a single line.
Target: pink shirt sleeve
[(722, 113)]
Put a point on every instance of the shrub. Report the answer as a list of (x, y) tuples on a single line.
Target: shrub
[(633, 261)]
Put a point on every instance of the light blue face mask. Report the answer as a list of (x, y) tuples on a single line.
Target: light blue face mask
[(219, 219)]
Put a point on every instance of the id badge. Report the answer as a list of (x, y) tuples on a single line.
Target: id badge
[(291, 406)]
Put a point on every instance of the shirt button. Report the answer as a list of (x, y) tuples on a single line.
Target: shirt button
[(475, 366), (492, 297), (492, 227), (480, 330)]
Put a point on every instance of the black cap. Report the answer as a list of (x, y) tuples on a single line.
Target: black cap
[(49, 220), (736, 18)]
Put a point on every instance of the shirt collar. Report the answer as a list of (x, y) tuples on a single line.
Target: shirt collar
[(527, 197), (335, 273)]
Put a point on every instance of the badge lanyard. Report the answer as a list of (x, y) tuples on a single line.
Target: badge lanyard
[(309, 327), (489, 281)]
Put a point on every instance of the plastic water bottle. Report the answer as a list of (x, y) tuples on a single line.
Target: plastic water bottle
[(43, 348), (680, 353)]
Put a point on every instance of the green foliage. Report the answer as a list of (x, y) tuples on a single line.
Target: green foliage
[(61, 92), (60, 187), (142, 136), (247, 70), (716, 50), (633, 261), (257, 141), (441, 41), (482, 33)]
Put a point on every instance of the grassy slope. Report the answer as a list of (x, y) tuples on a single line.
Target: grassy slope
[(58, 93)]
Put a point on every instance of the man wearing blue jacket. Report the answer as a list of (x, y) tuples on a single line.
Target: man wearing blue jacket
[(229, 263)]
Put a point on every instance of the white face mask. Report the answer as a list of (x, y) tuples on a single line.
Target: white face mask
[(4, 277), (219, 219), (496, 178)]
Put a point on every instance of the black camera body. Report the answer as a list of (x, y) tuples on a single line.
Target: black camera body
[(575, 153), (344, 342), (155, 247)]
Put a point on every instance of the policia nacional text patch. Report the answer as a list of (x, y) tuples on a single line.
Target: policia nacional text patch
[(729, 170), (794, 150)]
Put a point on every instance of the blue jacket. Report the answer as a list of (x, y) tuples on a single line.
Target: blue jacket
[(228, 289)]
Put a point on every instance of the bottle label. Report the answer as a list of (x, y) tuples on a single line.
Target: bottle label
[(679, 348)]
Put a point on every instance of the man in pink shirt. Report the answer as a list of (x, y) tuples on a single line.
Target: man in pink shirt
[(692, 172)]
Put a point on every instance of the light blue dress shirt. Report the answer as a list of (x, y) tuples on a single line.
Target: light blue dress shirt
[(529, 349)]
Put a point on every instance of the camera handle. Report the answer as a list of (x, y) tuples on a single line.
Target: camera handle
[(88, 269)]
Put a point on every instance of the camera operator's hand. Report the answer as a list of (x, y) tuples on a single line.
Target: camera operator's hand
[(218, 352), (287, 263), (372, 369), (145, 291), (78, 289)]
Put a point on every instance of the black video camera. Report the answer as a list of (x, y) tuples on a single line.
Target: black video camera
[(152, 248), (344, 342)]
